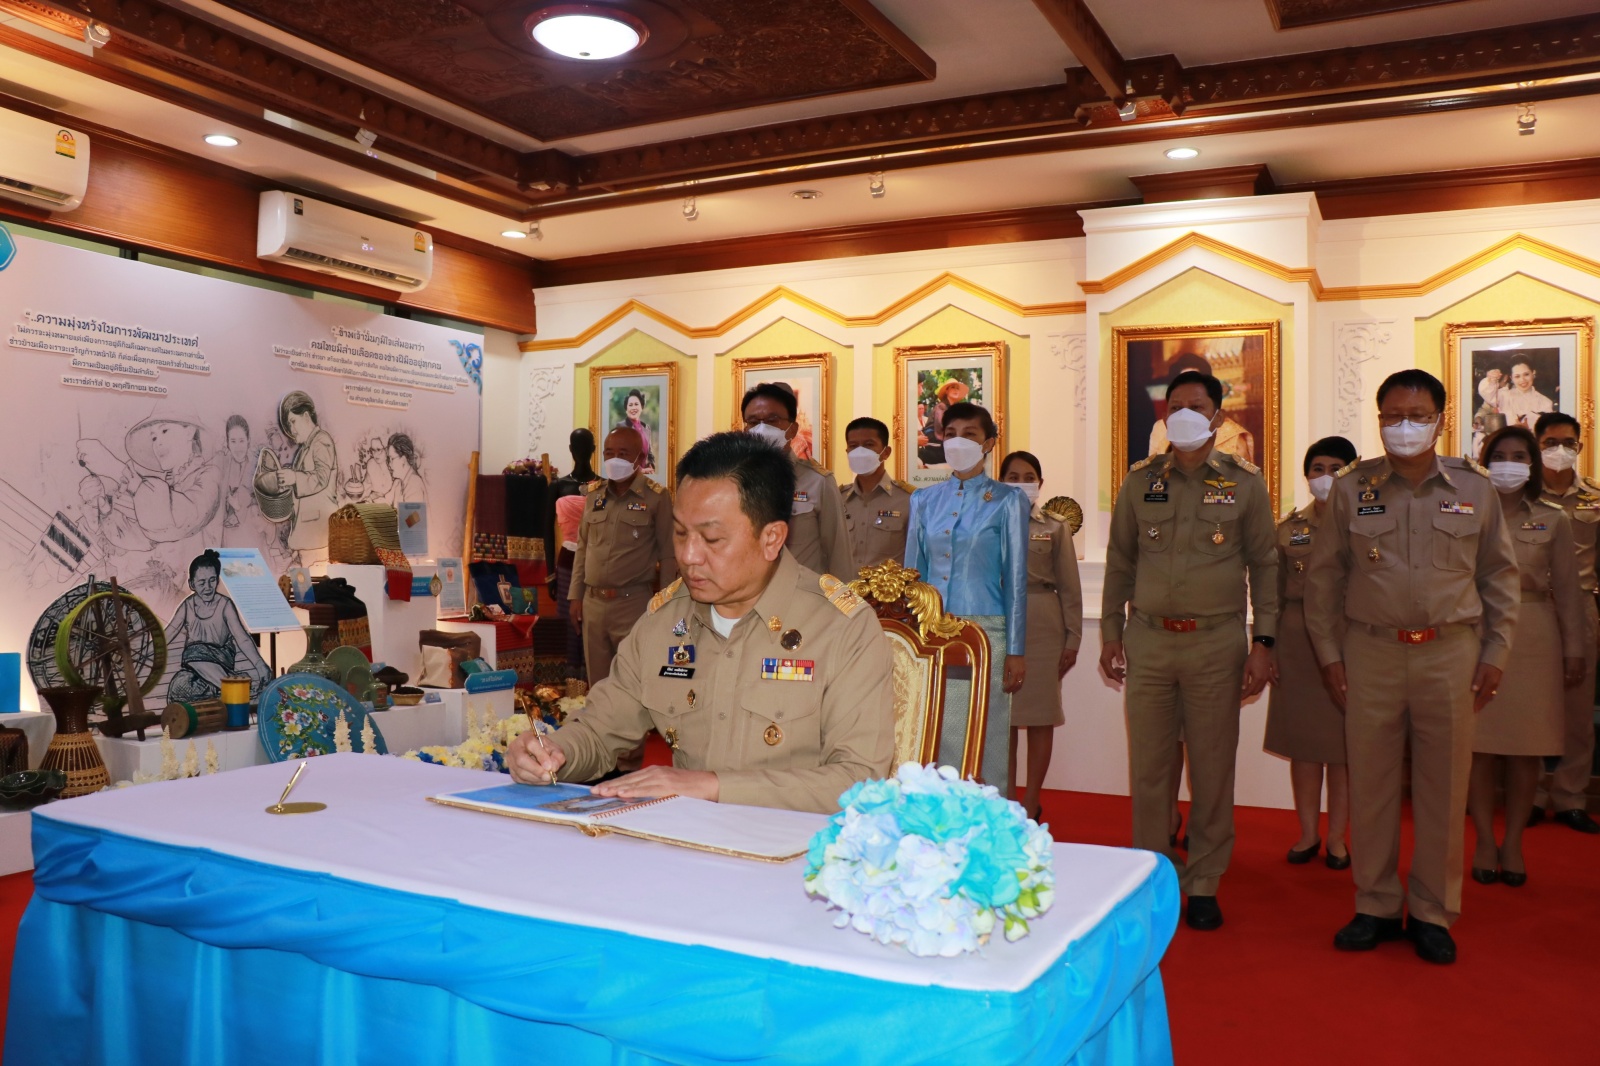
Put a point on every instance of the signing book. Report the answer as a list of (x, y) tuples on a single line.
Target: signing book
[(762, 833)]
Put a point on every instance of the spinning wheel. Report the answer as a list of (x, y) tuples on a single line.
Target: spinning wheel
[(90, 650), (42, 641)]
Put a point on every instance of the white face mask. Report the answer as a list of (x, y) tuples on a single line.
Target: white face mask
[(617, 469), (1508, 477), (962, 454), (771, 434), (1559, 458), (863, 461), (1188, 430), (1321, 486), (1409, 439), (1030, 489)]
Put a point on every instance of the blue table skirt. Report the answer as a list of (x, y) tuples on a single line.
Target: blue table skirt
[(135, 952)]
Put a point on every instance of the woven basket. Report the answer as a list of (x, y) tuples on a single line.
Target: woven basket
[(348, 540)]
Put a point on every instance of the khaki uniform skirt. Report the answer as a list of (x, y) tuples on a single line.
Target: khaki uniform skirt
[(1302, 722), (1038, 701), (1526, 718)]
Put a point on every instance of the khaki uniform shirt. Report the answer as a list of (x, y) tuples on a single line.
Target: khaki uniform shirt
[(622, 536), (1181, 544), (790, 710), (1581, 501), (877, 521), (1053, 568), (1295, 535), (817, 534), (1547, 565), (1400, 558)]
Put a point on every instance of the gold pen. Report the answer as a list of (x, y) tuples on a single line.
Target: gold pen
[(537, 736), (290, 786)]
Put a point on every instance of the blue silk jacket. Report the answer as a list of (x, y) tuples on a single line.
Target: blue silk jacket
[(969, 540)]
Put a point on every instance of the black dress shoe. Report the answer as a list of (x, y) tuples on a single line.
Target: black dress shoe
[(1578, 820), (1337, 862), (1300, 858), (1366, 932), (1513, 878), (1485, 877), (1433, 942), (1203, 914), (1535, 817)]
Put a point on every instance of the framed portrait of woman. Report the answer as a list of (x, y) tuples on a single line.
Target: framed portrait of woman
[(928, 380), (642, 397), (1244, 356), (811, 379), (1510, 373)]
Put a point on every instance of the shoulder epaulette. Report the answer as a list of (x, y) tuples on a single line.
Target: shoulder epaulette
[(655, 486), (591, 486), (1588, 482), (1464, 464), (1291, 514), (839, 594), (906, 485), (1549, 503), (659, 600), (1243, 463), (1346, 468), (818, 467), (1142, 463)]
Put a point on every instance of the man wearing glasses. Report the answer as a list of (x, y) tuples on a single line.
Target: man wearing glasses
[(1559, 448), (1410, 601), (818, 537)]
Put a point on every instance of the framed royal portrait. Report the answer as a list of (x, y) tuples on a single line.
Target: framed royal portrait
[(811, 378), (1244, 356), (642, 397), (1510, 373), (928, 380)]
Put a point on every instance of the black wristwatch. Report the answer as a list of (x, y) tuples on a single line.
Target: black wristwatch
[(1265, 642)]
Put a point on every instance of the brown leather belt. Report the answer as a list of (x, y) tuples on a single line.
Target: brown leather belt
[(1184, 625), (618, 593), (1413, 636)]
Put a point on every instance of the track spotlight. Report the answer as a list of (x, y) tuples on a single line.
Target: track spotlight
[(1527, 121), (691, 210), (876, 186), (534, 232), (366, 138), (97, 34)]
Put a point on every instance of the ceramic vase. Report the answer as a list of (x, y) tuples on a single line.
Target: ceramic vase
[(73, 749), (314, 662)]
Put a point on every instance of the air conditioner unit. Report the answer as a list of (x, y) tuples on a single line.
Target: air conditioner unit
[(42, 164), (336, 240)]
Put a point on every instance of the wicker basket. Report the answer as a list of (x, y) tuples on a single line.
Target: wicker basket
[(348, 540)]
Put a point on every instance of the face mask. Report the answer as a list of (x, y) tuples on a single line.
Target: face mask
[(1321, 486), (1559, 458), (1030, 489), (863, 461), (617, 469), (1508, 477), (1408, 439), (962, 454), (1188, 430), (771, 434)]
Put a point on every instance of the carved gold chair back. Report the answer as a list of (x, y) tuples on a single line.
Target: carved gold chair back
[(941, 669)]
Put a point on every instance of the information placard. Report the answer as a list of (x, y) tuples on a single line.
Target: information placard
[(255, 592)]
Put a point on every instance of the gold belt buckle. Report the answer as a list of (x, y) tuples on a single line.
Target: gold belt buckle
[(607, 594), (1417, 636)]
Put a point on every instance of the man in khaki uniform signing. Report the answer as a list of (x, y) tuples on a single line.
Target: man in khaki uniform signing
[(1189, 525), (772, 683), (817, 536), (876, 506), (1410, 601), (626, 531), (1559, 447)]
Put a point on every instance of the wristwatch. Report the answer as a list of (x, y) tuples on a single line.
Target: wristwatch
[(1265, 642)]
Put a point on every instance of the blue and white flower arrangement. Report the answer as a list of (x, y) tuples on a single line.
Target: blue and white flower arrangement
[(931, 862)]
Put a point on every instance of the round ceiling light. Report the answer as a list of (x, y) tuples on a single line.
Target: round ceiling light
[(580, 31), (222, 140), (1182, 153), (514, 234)]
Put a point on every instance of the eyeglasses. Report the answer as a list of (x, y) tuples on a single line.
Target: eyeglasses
[(1569, 445), (777, 421), (1421, 420)]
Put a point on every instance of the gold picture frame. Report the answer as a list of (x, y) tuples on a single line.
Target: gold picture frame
[(657, 384), (918, 370), (1142, 357), (810, 375), (1562, 348)]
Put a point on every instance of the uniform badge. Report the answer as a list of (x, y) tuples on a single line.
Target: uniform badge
[(1155, 497), (1220, 483), (680, 654), (1039, 536), (1538, 527), (1154, 533), (1376, 508), (599, 503), (1299, 538), (681, 673), (1368, 496), (791, 640), (888, 514), (1455, 507), (1299, 566), (987, 495), (690, 697), (774, 623), (1374, 554), (670, 735), (1218, 496), (801, 496), (636, 506), (1218, 537), (773, 736), (787, 669), (1157, 485), (680, 628)]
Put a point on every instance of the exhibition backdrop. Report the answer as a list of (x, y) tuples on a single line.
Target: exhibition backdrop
[(152, 413)]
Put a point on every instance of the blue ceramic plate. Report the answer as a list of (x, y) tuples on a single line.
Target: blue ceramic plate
[(298, 714)]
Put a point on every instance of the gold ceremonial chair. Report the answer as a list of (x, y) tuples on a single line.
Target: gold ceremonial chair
[(931, 650)]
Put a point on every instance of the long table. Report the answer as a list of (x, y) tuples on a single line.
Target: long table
[(179, 923)]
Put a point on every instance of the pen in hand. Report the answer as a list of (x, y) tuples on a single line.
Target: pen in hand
[(538, 736)]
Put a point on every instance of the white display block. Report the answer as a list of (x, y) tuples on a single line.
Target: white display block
[(39, 726), (486, 636), (444, 722), (394, 623), (126, 756), (16, 842)]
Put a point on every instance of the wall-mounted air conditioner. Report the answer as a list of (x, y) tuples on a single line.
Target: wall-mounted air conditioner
[(42, 164), (336, 240)]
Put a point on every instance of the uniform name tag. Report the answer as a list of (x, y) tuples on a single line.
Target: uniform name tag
[(787, 669), (1376, 508), (1155, 497), (637, 507), (1300, 540), (1039, 536), (683, 673), (1455, 507), (1217, 497)]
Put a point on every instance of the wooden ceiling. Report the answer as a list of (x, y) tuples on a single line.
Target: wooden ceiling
[(482, 105)]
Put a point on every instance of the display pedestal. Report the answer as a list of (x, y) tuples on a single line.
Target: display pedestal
[(126, 756), (16, 841), (39, 726), (486, 636), (442, 721), (394, 623)]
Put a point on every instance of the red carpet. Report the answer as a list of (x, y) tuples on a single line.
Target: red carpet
[(1268, 986)]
